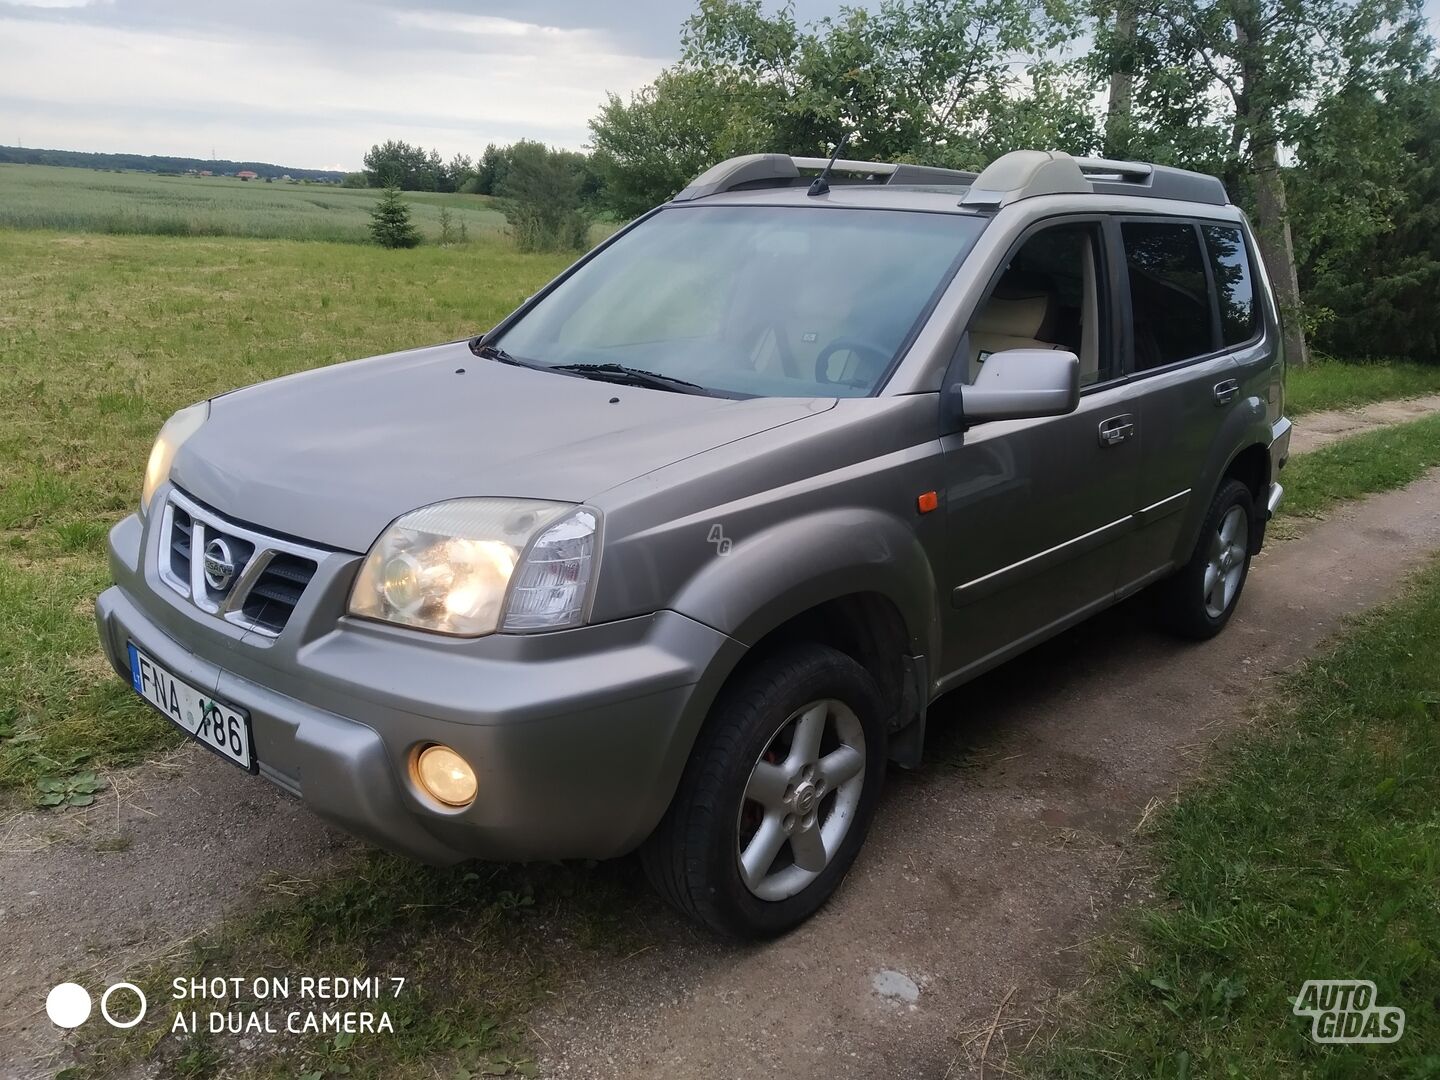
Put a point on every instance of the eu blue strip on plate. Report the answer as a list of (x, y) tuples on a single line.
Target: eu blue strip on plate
[(135, 670)]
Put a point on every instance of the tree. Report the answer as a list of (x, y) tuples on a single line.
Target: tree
[(1227, 86), (1367, 223), (648, 148), (490, 172), (390, 224), (940, 81), (542, 188), (459, 172)]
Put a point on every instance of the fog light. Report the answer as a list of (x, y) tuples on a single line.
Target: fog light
[(446, 776)]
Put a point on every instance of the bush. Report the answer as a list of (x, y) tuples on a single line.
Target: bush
[(543, 189), (390, 223)]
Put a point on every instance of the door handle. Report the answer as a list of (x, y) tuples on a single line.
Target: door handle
[(1117, 429), (1226, 392)]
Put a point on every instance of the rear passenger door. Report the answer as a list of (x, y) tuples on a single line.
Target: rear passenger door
[(1185, 379)]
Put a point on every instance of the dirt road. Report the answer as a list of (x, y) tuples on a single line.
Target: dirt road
[(987, 867), (984, 871), (1314, 430)]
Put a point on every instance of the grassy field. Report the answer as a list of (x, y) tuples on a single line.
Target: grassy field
[(102, 337), (1330, 384), (82, 200), (1312, 852)]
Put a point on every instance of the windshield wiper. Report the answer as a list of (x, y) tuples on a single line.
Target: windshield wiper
[(494, 352), (619, 373)]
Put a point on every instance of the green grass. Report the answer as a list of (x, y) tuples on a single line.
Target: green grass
[(1374, 461), (82, 200), (478, 946), (1313, 851), (101, 338), (1333, 384)]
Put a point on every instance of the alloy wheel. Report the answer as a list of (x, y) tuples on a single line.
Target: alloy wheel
[(801, 799), (1225, 568)]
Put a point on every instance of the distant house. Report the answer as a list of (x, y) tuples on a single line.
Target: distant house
[(206, 172), (246, 174)]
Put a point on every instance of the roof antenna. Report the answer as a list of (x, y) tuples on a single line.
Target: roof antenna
[(821, 184)]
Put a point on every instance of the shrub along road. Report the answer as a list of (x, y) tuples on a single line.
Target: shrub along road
[(986, 869)]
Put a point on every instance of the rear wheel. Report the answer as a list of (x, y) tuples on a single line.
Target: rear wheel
[(777, 797), (1198, 601)]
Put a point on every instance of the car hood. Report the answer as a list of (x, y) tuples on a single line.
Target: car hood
[(334, 455)]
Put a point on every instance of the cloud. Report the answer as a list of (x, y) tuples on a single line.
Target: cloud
[(303, 94), (314, 82)]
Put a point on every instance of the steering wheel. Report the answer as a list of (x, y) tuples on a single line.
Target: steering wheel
[(857, 346)]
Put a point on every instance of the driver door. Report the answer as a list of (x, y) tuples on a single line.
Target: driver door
[(1035, 507)]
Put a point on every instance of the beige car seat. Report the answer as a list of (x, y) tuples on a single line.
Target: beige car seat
[(1008, 322)]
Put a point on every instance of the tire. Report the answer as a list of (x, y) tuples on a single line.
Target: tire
[(751, 745), (1193, 604)]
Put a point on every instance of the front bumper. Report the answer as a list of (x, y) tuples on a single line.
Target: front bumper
[(577, 737)]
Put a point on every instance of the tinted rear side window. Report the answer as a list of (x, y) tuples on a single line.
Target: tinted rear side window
[(1169, 295), (1231, 265)]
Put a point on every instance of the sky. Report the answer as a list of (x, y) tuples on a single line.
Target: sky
[(314, 83)]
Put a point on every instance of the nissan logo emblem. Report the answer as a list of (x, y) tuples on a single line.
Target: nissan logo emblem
[(219, 565)]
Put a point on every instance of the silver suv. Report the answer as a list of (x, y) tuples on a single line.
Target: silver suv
[(676, 557)]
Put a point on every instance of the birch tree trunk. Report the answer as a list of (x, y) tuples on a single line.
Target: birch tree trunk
[(1122, 81), (1272, 217), (1272, 228)]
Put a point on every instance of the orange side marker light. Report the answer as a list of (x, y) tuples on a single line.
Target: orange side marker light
[(927, 501)]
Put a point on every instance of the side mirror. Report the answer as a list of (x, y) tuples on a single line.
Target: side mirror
[(1018, 384)]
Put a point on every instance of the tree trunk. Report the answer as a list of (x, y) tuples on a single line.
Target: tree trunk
[(1272, 217), (1272, 227), (1122, 81)]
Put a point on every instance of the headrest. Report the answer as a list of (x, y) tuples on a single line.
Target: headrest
[(1015, 316)]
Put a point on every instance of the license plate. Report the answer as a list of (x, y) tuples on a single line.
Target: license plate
[(221, 727)]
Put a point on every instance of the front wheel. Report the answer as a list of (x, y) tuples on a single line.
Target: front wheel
[(777, 796), (1198, 601)]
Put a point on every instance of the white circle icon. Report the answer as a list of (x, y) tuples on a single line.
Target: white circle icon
[(68, 1005), (105, 1003)]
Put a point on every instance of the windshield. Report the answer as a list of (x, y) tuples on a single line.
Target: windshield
[(751, 300)]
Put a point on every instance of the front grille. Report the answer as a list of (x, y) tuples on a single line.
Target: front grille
[(228, 570), (181, 525), (276, 591)]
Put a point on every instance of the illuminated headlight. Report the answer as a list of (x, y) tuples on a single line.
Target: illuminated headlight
[(473, 566), (162, 455)]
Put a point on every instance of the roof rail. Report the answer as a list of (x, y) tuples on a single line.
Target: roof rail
[(1024, 174), (779, 169)]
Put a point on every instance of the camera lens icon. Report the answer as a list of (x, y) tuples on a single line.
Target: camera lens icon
[(69, 1004)]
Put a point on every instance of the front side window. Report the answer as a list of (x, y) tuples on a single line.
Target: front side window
[(1169, 296), (1231, 265), (1048, 297), (774, 301)]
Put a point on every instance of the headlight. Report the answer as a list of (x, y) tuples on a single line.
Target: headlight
[(176, 430), (474, 566)]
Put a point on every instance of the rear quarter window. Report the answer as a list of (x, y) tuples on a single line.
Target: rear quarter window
[(1230, 262)]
